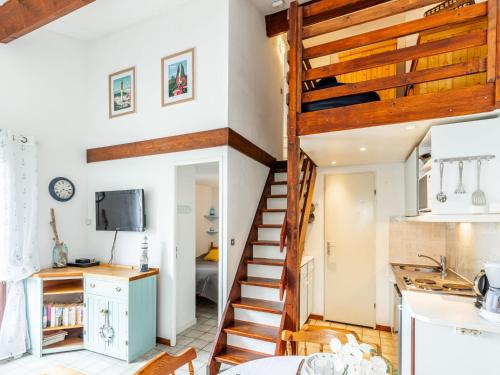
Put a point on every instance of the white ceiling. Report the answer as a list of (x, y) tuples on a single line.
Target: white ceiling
[(104, 17), (2, 2), (266, 8), (207, 174), (384, 144)]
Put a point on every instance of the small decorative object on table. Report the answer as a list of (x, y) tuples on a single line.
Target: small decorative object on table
[(212, 211), (349, 359), (60, 250), (144, 257)]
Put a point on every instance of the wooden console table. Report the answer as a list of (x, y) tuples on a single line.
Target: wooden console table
[(119, 309)]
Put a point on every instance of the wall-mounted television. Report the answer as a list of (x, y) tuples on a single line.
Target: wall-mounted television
[(120, 210)]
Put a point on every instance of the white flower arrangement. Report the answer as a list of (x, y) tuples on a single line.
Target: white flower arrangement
[(356, 359)]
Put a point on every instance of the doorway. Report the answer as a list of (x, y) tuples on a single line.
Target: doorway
[(350, 248), (197, 238)]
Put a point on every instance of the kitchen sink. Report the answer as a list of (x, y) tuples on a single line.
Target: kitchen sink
[(429, 269)]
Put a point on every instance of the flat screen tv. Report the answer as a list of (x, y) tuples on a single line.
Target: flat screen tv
[(120, 210)]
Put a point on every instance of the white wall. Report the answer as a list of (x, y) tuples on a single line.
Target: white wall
[(201, 24), (255, 78), (185, 247), (42, 81), (245, 182), (206, 198), (389, 182), (156, 175)]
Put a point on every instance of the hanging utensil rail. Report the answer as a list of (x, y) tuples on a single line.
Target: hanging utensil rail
[(465, 158)]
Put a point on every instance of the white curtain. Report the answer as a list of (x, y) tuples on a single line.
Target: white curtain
[(18, 250)]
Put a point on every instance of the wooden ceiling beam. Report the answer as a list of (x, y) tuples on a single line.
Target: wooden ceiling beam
[(277, 23), (20, 17)]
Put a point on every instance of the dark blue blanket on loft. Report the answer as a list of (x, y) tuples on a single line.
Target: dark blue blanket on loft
[(337, 102)]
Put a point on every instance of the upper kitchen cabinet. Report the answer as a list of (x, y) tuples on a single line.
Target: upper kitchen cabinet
[(478, 144)]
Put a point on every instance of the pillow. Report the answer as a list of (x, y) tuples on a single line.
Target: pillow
[(213, 255)]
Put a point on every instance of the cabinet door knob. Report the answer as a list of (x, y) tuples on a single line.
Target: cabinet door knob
[(118, 289), (92, 285)]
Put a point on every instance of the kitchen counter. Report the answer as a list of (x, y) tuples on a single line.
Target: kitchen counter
[(447, 310)]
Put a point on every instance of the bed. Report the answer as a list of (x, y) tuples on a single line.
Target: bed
[(207, 278), (337, 102)]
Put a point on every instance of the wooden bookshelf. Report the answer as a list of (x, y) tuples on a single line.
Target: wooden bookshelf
[(70, 343), (48, 329), (72, 287)]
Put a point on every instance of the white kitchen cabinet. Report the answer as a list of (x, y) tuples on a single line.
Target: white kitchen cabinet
[(411, 184), (306, 289)]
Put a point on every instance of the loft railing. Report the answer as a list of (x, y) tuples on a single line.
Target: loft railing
[(310, 47)]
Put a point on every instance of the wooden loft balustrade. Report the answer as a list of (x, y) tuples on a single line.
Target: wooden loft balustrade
[(463, 82)]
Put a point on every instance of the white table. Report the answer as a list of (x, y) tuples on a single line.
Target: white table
[(273, 365)]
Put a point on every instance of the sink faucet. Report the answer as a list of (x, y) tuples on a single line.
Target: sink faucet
[(441, 263)]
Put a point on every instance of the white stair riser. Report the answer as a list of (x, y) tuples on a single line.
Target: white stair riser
[(280, 176), (273, 217), (258, 292), (258, 270), (270, 252), (276, 203), (251, 344), (257, 317), (278, 189), (271, 234)]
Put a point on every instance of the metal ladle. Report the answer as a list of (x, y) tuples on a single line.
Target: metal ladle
[(441, 196)]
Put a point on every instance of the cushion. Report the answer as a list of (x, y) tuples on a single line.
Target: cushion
[(213, 255)]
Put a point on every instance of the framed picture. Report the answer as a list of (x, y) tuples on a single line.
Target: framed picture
[(177, 78), (122, 93)]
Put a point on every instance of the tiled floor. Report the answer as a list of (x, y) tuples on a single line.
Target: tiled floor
[(199, 336), (386, 341)]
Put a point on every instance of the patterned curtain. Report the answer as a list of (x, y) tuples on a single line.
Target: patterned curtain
[(18, 251)]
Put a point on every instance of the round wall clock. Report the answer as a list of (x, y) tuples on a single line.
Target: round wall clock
[(61, 189)]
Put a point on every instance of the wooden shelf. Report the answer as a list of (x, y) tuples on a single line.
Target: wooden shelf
[(212, 232), (48, 329), (71, 343), (64, 288), (458, 218), (211, 217)]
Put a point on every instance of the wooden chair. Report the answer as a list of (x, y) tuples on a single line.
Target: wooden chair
[(165, 364)]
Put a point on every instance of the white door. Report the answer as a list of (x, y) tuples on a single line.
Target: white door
[(350, 248)]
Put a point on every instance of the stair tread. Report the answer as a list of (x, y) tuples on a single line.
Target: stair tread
[(259, 305), (279, 183), (274, 210), (276, 196), (236, 356), (262, 281), (253, 330), (266, 243), (270, 226), (266, 261), (280, 170)]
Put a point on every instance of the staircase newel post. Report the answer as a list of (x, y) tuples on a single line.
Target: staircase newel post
[(293, 168)]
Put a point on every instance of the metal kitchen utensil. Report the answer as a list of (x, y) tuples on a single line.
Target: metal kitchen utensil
[(478, 197), (461, 187), (441, 196)]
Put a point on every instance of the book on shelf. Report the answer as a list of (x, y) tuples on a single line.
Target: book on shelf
[(53, 337), (62, 315)]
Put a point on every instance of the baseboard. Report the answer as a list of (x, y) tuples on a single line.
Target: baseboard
[(383, 328), (315, 317), (161, 340)]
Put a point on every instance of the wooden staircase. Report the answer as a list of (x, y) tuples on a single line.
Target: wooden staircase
[(255, 312)]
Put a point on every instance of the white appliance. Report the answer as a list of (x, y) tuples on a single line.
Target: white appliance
[(425, 193), (491, 302)]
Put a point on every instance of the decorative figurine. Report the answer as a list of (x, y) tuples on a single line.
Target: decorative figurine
[(60, 250), (144, 257), (212, 211)]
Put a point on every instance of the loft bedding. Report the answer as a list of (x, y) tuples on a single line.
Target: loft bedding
[(337, 102)]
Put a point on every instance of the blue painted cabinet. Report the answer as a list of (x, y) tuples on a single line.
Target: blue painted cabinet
[(120, 317)]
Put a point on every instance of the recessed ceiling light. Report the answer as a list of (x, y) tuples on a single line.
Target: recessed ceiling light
[(334, 162), (410, 127), (362, 149)]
